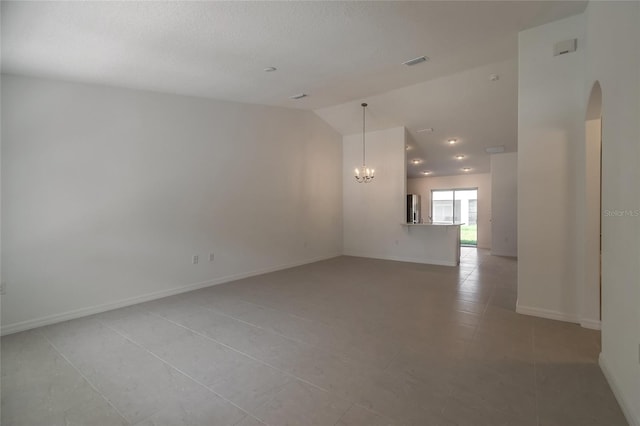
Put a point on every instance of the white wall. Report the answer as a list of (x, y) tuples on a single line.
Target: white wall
[(107, 194), (1, 296), (374, 213), (613, 59), (552, 168), (482, 181), (504, 204), (550, 126)]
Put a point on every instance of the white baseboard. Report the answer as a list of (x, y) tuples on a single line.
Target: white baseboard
[(438, 262), (557, 315), (545, 313), (591, 324), (627, 407), (504, 254), (91, 310)]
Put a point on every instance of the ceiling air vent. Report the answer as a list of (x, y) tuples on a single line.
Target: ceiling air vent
[(416, 61), (564, 47), (495, 149)]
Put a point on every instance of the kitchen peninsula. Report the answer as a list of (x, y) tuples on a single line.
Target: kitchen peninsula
[(436, 243)]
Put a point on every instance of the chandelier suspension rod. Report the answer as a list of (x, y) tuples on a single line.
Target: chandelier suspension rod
[(364, 107)]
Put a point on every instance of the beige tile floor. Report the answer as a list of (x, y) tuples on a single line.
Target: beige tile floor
[(347, 341)]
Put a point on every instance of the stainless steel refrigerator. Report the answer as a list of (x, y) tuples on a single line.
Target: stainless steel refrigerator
[(413, 208)]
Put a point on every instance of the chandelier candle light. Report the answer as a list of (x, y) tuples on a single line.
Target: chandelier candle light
[(364, 174)]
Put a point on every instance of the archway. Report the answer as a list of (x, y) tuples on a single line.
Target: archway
[(592, 292)]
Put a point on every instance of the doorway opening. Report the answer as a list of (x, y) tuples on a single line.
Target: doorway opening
[(592, 294), (458, 205)]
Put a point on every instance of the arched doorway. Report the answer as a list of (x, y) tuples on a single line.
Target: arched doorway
[(592, 293)]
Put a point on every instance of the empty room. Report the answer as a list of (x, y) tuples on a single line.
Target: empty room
[(267, 213)]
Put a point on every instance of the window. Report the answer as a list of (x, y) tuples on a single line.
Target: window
[(442, 211), (473, 212), (457, 205)]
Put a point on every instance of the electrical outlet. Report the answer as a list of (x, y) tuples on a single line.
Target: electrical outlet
[(211, 257), (195, 259), (3, 288)]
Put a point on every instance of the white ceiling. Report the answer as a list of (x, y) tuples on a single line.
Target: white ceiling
[(334, 51), (339, 53), (467, 106)]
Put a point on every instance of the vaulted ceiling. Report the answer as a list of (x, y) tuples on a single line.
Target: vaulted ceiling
[(336, 52), (467, 106)]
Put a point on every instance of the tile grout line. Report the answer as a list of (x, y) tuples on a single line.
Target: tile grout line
[(55, 348), (224, 314), (266, 363), (261, 361), (319, 348), (484, 311), (344, 414), (247, 355), (285, 312), (476, 327), (251, 357), (341, 357), (179, 371), (473, 336), (203, 305), (365, 408), (494, 289), (392, 359), (326, 324), (277, 309), (535, 373), (215, 311), (476, 336)]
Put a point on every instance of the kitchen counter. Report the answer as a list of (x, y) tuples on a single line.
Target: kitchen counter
[(434, 243)]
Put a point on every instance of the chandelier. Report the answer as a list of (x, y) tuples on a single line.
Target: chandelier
[(364, 174)]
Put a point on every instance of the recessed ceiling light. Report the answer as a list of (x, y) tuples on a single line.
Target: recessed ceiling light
[(466, 169), (459, 157), (270, 69), (416, 61), (495, 149), (426, 172), (416, 161), (452, 141), (494, 77), (298, 96), (427, 130)]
